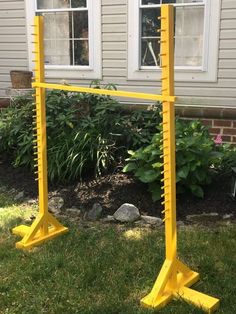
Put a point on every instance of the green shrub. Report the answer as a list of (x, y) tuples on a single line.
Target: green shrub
[(197, 160), (225, 159), (77, 144), (16, 131), (16, 124)]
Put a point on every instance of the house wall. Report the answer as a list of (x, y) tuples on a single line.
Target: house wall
[(195, 99), (13, 54), (13, 42), (221, 93)]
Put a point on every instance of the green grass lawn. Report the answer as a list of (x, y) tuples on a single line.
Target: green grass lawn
[(107, 269)]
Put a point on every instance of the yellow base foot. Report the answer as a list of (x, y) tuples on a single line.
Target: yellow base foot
[(162, 294), (44, 228), (201, 300)]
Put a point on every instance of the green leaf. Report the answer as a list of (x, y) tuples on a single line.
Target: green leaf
[(129, 167), (157, 165), (183, 172), (131, 152), (197, 190), (147, 176), (155, 189)]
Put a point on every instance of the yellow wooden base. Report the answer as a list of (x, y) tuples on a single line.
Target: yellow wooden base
[(44, 228), (165, 289)]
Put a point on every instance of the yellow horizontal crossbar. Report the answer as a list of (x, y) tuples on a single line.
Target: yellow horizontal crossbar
[(107, 92)]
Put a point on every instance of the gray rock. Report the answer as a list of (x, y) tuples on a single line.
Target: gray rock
[(32, 201), (19, 196), (127, 213), (228, 216), (95, 213), (108, 219), (151, 220), (73, 212), (142, 224), (180, 223), (55, 204), (3, 189), (203, 218)]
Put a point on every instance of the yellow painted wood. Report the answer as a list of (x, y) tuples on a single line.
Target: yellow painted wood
[(157, 295), (203, 301), (97, 91), (21, 230), (175, 277), (45, 226)]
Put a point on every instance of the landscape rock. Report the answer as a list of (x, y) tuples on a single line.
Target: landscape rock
[(55, 204), (127, 213), (32, 201), (95, 213), (180, 223), (142, 224), (3, 189), (73, 212), (228, 217), (19, 196), (108, 219), (203, 218), (151, 220)]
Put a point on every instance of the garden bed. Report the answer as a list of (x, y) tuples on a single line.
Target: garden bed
[(114, 189)]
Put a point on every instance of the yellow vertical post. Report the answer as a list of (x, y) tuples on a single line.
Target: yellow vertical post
[(174, 278), (45, 225), (167, 65), (41, 122)]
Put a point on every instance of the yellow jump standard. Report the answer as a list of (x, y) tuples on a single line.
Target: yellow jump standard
[(45, 225), (175, 278)]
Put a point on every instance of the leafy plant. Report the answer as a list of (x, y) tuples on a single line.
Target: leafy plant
[(195, 155), (78, 143), (225, 158), (139, 126), (16, 131)]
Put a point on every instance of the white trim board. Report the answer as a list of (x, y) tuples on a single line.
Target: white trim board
[(94, 71), (208, 73)]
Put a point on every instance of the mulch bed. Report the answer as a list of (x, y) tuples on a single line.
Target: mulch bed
[(113, 190)]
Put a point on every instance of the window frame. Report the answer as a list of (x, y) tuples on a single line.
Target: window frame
[(206, 73), (94, 70)]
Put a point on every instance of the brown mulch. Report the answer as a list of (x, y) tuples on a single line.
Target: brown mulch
[(113, 190)]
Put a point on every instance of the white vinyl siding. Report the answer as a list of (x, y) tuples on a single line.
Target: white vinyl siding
[(221, 93), (13, 41)]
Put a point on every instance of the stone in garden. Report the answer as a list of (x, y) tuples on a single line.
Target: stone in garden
[(19, 196), (204, 218), (3, 189), (151, 220), (127, 213), (95, 213), (55, 204), (180, 223), (228, 216), (108, 219), (142, 224), (32, 201), (73, 212)]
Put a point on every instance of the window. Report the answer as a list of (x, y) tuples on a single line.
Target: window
[(189, 29), (196, 38), (66, 31), (72, 37)]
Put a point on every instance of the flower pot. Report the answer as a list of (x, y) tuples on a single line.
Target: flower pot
[(21, 79)]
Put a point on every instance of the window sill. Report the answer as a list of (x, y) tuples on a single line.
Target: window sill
[(67, 72), (181, 75)]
